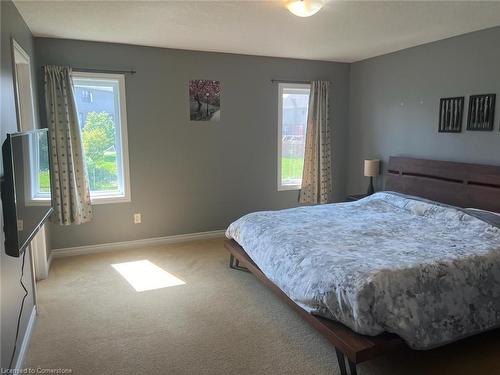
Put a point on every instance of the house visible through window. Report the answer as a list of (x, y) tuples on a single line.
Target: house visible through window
[(87, 96), (292, 124), (100, 99)]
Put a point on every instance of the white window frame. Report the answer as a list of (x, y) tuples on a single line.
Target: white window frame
[(281, 87), (32, 196), (106, 197)]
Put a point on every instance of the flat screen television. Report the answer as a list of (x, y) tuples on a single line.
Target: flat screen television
[(26, 188)]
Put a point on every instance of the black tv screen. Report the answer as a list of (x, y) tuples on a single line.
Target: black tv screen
[(26, 188)]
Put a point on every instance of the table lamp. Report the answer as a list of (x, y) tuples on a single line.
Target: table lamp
[(372, 169)]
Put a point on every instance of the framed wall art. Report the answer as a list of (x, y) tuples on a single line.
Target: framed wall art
[(451, 114), (204, 100), (481, 115)]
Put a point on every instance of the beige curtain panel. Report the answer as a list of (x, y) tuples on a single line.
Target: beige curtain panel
[(70, 188), (317, 173)]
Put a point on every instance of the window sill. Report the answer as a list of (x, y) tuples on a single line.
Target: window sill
[(110, 199), (93, 200), (38, 202), (288, 188)]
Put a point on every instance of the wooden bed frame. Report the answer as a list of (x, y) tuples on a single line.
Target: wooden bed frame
[(458, 184)]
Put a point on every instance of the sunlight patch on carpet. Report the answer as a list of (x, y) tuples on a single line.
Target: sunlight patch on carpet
[(144, 275)]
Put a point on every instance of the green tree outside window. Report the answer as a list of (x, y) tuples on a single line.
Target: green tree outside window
[(98, 136)]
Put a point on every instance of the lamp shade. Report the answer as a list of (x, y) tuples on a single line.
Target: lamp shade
[(372, 167)]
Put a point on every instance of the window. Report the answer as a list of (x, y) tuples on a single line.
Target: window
[(103, 125), (292, 124), (36, 169), (87, 96), (40, 190)]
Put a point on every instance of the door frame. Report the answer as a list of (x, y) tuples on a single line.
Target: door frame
[(37, 248)]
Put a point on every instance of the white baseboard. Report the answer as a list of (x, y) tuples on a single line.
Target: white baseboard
[(92, 249), (26, 340)]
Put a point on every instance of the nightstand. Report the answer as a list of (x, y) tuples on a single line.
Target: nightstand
[(355, 197)]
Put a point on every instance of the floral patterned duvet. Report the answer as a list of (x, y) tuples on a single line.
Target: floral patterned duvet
[(427, 272)]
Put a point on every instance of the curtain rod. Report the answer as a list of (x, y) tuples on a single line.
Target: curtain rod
[(91, 70), (290, 81)]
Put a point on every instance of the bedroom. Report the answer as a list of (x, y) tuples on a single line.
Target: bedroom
[(184, 180)]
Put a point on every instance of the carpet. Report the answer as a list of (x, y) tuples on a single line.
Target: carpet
[(221, 321)]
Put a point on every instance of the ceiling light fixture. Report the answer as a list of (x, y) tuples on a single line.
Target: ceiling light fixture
[(304, 8)]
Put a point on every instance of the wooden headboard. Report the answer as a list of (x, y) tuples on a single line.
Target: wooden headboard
[(458, 184)]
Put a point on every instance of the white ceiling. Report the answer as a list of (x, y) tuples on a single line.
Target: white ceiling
[(343, 31)]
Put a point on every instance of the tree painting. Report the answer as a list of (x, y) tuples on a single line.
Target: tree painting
[(204, 100)]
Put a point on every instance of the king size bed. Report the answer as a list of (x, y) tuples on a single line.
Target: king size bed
[(416, 265)]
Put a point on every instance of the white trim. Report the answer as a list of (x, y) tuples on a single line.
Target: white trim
[(102, 198), (19, 52), (49, 261), (23, 55), (26, 340), (122, 198), (39, 251), (31, 173), (287, 187), (114, 246), (281, 87), (25, 112), (33, 275)]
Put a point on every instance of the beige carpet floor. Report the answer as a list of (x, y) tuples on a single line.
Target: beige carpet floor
[(220, 322)]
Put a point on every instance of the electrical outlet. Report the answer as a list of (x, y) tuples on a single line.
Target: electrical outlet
[(137, 218), (20, 225)]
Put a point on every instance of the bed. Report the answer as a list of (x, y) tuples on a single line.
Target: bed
[(408, 266)]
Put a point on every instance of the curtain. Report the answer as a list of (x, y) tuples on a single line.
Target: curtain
[(70, 189), (317, 173)]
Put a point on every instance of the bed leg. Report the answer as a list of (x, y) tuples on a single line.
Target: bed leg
[(352, 367), (341, 361), (342, 366), (235, 264)]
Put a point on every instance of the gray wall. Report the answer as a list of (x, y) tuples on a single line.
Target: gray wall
[(12, 25), (191, 177), (394, 102)]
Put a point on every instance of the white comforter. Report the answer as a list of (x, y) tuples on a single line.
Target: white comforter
[(427, 272)]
